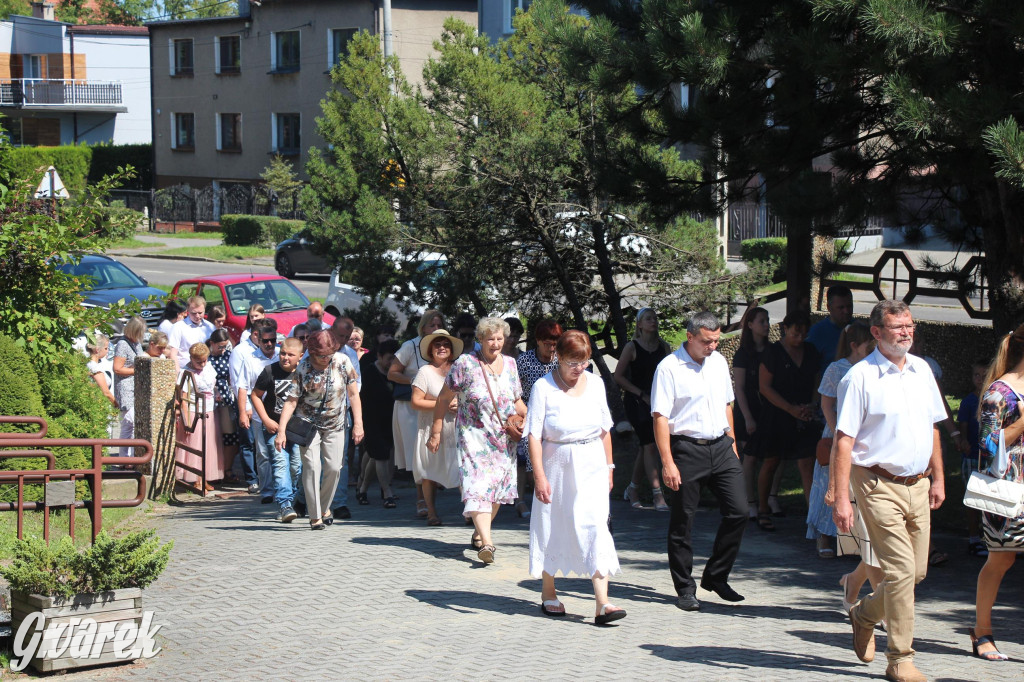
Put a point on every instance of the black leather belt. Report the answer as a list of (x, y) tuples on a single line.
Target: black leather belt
[(900, 480), (700, 441)]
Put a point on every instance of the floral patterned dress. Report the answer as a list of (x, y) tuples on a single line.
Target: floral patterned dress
[(487, 457), (999, 410)]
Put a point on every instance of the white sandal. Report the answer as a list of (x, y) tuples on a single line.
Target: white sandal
[(634, 498), (604, 617)]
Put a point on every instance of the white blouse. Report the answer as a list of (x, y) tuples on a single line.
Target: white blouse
[(557, 417)]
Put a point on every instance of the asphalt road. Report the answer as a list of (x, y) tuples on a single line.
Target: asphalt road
[(169, 271)]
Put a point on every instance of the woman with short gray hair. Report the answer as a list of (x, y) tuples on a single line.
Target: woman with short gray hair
[(125, 352), (487, 386)]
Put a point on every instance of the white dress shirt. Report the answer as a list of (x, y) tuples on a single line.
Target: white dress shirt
[(184, 333), (246, 369), (890, 413), (693, 396)]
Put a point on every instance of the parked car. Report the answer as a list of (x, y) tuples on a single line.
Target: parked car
[(342, 295), (110, 281), (295, 255), (281, 299)]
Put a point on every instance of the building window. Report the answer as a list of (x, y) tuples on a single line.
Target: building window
[(339, 39), (181, 57), (229, 132), (286, 134), (510, 7), (284, 55), (34, 66), (229, 54), (183, 132)]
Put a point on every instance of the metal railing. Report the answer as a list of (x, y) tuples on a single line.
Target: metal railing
[(59, 484), (894, 275), (58, 92)]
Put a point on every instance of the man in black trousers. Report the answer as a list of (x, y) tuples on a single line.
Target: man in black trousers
[(691, 405)]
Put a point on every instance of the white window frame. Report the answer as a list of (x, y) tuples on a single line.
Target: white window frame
[(275, 147), (274, 36), (220, 137), (507, 13), (174, 130), (173, 55), (216, 54), (37, 59), (330, 43)]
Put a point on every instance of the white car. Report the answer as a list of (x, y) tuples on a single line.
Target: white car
[(342, 295)]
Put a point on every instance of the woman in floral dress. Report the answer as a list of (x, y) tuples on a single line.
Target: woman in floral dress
[(1002, 406), (487, 386)]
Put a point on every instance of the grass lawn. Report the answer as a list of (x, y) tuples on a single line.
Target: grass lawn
[(222, 253), (189, 235), (166, 288), (133, 243)]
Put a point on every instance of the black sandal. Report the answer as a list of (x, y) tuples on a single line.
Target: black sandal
[(389, 503), (764, 522), (361, 498), (475, 542), (317, 525), (328, 519), (988, 655)]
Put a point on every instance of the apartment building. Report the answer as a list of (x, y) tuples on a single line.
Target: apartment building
[(62, 84), (230, 92)]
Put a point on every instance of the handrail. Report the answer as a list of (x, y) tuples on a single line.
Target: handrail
[(28, 446)]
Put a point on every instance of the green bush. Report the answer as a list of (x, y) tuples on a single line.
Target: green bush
[(60, 570), (117, 222), (240, 230), (251, 230), (106, 158), (772, 249), (20, 395), (71, 161)]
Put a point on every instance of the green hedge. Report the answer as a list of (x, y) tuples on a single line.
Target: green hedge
[(106, 158), (251, 230), (762, 250), (71, 161), (63, 393)]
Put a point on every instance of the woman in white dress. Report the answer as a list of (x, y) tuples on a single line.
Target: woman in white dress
[(568, 426), (404, 420), (441, 468)]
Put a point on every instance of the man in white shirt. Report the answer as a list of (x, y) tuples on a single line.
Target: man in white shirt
[(191, 330), (887, 446), (691, 404), (236, 366), (314, 319), (265, 335)]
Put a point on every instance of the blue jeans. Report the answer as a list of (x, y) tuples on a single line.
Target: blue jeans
[(263, 468), (287, 468), (246, 454)]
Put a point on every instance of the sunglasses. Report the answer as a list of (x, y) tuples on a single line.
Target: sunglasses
[(272, 339), (302, 337)]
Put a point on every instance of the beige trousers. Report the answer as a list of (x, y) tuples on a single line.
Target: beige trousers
[(898, 522), (326, 451)]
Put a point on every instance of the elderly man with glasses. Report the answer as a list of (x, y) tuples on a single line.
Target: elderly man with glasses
[(888, 451)]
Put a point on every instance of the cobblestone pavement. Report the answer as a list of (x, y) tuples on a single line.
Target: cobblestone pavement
[(384, 597)]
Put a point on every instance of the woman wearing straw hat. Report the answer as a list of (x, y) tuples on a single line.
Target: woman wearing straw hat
[(440, 468)]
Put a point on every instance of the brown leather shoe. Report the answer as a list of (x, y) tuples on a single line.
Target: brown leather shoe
[(863, 639), (904, 672)]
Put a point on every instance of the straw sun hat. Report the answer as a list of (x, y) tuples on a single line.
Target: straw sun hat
[(440, 333)]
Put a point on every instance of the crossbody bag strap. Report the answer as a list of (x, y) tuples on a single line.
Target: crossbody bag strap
[(487, 383)]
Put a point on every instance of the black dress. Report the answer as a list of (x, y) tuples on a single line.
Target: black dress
[(748, 361), (641, 374), (781, 434), (378, 404)]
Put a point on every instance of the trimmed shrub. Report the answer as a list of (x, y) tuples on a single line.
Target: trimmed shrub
[(71, 161), (118, 222), (20, 395), (766, 250), (240, 230), (106, 158), (275, 230)]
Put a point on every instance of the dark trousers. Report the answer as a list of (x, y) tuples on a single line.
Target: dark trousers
[(717, 467)]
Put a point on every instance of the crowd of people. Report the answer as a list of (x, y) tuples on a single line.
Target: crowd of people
[(849, 401)]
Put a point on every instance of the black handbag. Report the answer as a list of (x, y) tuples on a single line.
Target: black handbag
[(300, 431), (403, 392)]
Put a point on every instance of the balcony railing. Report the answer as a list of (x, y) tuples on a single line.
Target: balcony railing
[(21, 92)]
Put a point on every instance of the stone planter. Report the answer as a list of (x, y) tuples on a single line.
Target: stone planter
[(86, 630)]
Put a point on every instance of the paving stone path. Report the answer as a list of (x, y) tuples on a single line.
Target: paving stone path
[(384, 597)]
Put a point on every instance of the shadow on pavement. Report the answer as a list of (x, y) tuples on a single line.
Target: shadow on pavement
[(736, 657)]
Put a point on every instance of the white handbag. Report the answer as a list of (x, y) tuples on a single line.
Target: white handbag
[(995, 495)]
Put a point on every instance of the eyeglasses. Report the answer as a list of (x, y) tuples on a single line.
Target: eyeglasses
[(901, 328), (272, 339), (571, 364), (323, 357)]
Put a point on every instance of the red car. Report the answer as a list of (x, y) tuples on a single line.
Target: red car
[(281, 299)]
